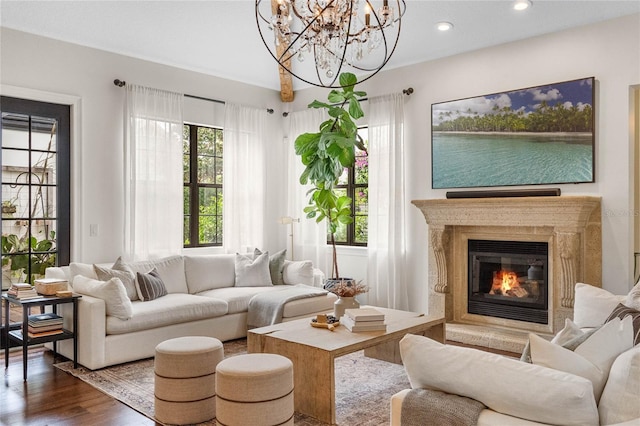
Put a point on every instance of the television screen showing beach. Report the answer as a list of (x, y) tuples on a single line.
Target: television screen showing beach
[(539, 135)]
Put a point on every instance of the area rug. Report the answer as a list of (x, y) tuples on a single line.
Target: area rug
[(364, 386)]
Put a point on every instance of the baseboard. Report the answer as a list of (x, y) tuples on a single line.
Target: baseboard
[(542, 192)]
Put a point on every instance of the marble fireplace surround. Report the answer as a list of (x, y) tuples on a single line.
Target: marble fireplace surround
[(571, 225)]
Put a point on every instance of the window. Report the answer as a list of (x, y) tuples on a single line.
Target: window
[(35, 188), (202, 162), (354, 183)]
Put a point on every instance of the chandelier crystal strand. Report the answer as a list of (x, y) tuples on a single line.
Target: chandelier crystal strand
[(340, 35)]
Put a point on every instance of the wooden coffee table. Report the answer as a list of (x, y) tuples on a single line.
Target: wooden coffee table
[(313, 351)]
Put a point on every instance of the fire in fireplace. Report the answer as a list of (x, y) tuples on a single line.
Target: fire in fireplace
[(508, 279)]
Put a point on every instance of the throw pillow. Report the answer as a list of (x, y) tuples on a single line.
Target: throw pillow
[(276, 265), (592, 305), (252, 272), (127, 277), (570, 337), (622, 311), (298, 272), (150, 285), (633, 298), (592, 359), (503, 384), (619, 401), (112, 292)]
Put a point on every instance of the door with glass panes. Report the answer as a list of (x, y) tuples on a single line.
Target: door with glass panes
[(35, 188)]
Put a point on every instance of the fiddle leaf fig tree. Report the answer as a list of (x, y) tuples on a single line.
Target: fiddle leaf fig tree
[(327, 153)]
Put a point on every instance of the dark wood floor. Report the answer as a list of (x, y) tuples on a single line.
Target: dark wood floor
[(54, 398)]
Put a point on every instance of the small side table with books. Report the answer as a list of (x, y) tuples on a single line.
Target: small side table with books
[(40, 328)]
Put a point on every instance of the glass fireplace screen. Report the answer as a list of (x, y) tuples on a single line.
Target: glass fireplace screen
[(508, 279)]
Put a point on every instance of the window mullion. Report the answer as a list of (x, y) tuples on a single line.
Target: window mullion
[(194, 223)]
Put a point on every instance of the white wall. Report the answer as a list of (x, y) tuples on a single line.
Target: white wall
[(54, 67), (610, 51)]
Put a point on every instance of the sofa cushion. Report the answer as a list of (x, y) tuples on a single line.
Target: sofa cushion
[(298, 272), (592, 359), (170, 269), (206, 272), (171, 309), (620, 401), (150, 286), (592, 305), (128, 279), (237, 298), (113, 293), (276, 265), (84, 269), (252, 272), (623, 311), (503, 384), (119, 265)]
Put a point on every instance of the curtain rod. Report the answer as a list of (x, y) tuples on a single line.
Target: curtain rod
[(407, 92), (121, 83)]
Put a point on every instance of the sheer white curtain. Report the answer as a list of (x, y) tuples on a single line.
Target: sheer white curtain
[(153, 173), (386, 245), (244, 178), (310, 238)]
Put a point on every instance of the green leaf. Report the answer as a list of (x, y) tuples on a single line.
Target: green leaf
[(318, 104), (304, 177), (354, 109), (347, 81), (335, 97), (345, 219), (306, 142), (360, 93)]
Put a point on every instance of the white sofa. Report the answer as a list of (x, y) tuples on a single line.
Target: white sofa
[(594, 382), (202, 299)]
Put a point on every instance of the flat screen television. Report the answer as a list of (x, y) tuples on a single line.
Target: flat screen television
[(533, 136)]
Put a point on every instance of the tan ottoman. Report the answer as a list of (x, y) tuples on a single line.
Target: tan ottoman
[(254, 389), (185, 370)]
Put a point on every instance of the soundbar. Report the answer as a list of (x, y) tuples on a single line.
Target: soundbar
[(542, 192)]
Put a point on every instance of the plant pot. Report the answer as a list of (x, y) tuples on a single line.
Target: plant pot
[(344, 303)]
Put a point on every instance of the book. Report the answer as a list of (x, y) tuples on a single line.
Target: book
[(364, 314), (52, 327), (48, 316), (354, 327), (45, 333), (21, 293)]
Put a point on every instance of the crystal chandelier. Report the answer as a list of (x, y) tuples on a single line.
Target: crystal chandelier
[(327, 37)]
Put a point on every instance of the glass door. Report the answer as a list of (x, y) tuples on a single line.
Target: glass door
[(35, 188)]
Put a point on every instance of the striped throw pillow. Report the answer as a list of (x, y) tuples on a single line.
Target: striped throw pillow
[(150, 285), (622, 311)]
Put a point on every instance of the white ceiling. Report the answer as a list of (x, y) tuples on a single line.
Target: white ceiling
[(220, 37)]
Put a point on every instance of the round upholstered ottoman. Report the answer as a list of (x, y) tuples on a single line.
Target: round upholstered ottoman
[(254, 389), (185, 379)]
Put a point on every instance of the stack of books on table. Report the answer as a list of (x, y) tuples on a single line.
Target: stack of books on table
[(22, 291), (363, 319), (41, 325)]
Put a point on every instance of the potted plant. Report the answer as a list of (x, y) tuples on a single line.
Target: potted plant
[(326, 154)]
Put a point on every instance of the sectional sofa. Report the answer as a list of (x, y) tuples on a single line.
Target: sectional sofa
[(587, 375), (203, 297)]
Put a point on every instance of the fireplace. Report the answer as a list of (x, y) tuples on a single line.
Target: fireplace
[(569, 226), (508, 279)]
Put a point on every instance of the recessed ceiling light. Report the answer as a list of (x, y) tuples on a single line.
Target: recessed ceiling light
[(444, 26), (522, 4)]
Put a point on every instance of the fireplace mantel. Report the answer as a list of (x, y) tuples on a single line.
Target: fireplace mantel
[(568, 212), (571, 225)]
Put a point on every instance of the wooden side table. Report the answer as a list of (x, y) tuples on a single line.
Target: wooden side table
[(25, 340)]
